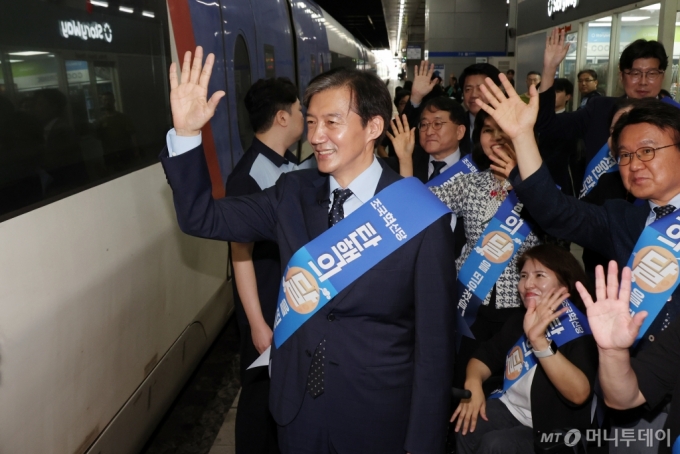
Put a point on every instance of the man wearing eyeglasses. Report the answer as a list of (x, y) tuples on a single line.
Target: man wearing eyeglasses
[(587, 86)]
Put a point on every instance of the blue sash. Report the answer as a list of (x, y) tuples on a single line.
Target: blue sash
[(328, 264), (670, 101), (676, 446), (462, 167), (494, 250), (655, 268), (520, 360), (603, 162)]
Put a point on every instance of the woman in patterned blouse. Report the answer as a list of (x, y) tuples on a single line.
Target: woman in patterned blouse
[(475, 198)]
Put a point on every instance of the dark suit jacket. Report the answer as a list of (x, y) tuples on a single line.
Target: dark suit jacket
[(389, 348), (611, 229), (550, 411)]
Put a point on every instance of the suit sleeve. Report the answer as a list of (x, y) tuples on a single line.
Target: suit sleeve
[(568, 125), (413, 114), (564, 216), (434, 343), (241, 219), (658, 367)]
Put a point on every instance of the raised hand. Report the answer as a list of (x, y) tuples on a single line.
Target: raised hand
[(503, 160), (191, 109), (403, 139), (540, 315), (556, 49), (609, 317), (422, 81), (511, 113)]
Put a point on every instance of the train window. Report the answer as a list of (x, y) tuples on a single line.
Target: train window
[(312, 60), (269, 63), (242, 82), (76, 112)]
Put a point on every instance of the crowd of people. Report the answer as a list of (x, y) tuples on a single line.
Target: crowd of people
[(370, 295)]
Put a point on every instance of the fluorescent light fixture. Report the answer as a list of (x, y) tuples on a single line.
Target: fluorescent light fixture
[(148, 14), (654, 7), (28, 53), (15, 61), (634, 18), (599, 24), (604, 19), (101, 3), (126, 9)]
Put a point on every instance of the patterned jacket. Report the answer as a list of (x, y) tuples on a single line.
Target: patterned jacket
[(470, 197)]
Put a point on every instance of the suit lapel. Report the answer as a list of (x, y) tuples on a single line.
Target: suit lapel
[(315, 208)]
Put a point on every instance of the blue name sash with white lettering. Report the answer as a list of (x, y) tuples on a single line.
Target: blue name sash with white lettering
[(603, 162), (676, 446), (520, 360), (462, 167), (655, 268), (670, 101), (493, 252), (328, 264)]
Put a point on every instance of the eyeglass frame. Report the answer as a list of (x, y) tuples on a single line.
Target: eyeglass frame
[(441, 124), (586, 81), (630, 155), (643, 74)]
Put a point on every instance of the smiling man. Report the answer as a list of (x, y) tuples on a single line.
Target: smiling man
[(371, 369)]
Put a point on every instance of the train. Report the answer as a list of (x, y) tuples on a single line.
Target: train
[(106, 308)]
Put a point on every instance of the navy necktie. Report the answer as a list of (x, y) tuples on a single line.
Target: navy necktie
[(438, 166), (315, 379), (337, 213), (663, 211)]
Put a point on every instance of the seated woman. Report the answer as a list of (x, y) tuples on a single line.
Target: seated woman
[(553, 395), (476, 198)]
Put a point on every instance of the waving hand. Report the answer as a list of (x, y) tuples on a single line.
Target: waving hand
[(511, 113), (191, 109)]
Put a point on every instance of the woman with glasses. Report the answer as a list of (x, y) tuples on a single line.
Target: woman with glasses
[(476, 198)]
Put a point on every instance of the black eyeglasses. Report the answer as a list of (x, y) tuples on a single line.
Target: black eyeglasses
[(635, 74), (436, 125), (643, 154), (585, 81)]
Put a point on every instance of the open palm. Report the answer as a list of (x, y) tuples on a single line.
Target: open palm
[(609, 318), (511, 113), (191, 109)]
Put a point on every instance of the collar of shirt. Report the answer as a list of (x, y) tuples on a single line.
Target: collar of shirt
[(449, 160), (560, 111), (273, 156), (362, 187), (675, 201)]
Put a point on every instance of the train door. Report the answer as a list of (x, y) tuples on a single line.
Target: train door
[(241, 55)]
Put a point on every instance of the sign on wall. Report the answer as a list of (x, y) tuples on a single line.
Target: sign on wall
[(413, 53), (560, 6)]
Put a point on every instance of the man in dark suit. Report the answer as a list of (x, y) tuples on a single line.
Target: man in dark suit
[(646, 143), (385, 343)]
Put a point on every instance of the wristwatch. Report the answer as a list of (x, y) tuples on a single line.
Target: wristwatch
[(551, 350)]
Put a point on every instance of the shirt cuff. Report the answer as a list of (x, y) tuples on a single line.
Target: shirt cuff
[(178, 145), (415, 105)]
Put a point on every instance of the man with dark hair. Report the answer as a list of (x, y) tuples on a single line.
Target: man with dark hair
[(369, 369), (564, 90), (276, 118), (510, 73), (642, 67), (587, 86), (472, 78)]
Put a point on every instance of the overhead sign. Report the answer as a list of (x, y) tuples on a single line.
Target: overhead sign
[(413, 53), (560, 6), (86, 30)]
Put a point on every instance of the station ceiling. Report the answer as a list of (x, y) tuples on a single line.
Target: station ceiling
[(365, 19)]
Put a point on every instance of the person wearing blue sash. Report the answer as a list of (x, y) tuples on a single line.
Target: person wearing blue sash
[(645, 142), (548, 359), (650, 377), (363, 345), (641, 73), (476, 198)]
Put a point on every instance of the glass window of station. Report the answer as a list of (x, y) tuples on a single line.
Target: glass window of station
[(83, 96)]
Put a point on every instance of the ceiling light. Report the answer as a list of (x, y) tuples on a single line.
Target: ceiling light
[(148, 14), (599, 24), (126, 9), (27, 53), (101, 3), (634, 18), (604, 19), (15, 61), (654, 7)]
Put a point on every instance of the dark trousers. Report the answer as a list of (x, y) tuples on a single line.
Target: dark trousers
[(501, 434), (255, 429), (308, 432)]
